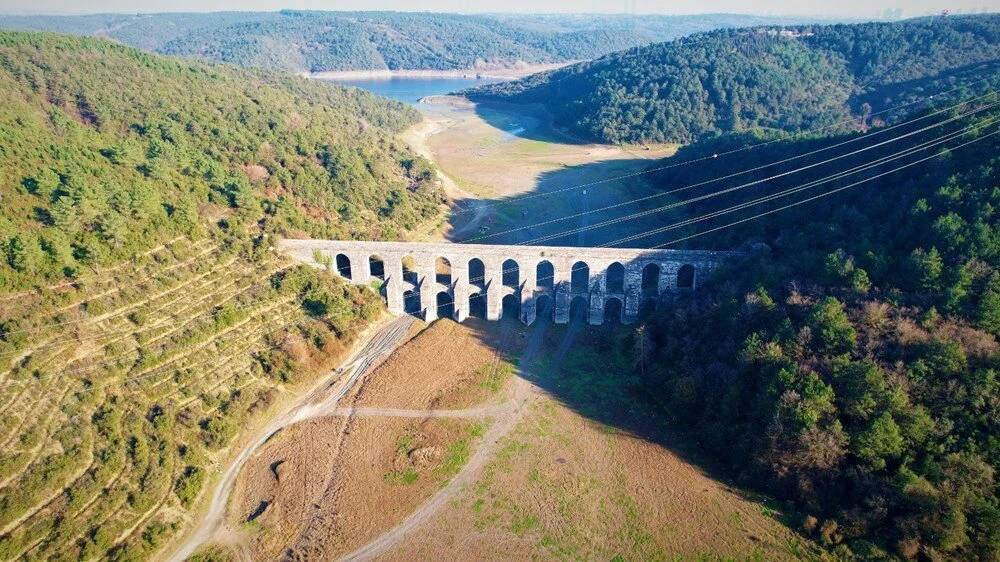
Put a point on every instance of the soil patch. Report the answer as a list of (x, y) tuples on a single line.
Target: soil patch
[(446, 366)]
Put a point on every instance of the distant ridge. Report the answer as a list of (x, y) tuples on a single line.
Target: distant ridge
[(310, 41)]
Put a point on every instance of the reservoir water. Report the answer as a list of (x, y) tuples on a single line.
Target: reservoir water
[(410, 90)]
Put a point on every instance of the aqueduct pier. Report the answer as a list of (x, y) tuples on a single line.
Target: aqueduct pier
[(433, 280)]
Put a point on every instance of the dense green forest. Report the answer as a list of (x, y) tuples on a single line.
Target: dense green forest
[(109, 151), (797, 78), (318, 41), (849, 365)]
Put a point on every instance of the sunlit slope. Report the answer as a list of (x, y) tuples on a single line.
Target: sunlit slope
[(108, 151), (145, 322)]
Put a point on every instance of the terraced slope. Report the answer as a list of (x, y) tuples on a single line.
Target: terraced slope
[(119, 402), (145, 322)]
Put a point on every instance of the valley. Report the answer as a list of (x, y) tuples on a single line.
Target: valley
[(223, 336), (512, 177)]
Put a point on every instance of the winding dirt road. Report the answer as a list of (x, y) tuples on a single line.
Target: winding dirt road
[(319, 401)]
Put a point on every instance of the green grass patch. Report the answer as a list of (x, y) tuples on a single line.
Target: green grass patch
[(404, 477), (493, 377), (458, 452)]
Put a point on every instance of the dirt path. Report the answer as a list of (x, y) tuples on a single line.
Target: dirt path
[(320, 400), (523, 392)]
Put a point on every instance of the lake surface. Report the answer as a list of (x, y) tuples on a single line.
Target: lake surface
[(410, 90)]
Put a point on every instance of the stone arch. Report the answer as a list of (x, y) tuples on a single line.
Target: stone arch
[(343, 266), (613, 308), (445, 305), (685, 277), (511, 274), (614, 278), (544, 308), (409, 266), (651, 280), (477, 304), (442, 270), (510, 307), (579, 309), (579, 280), (545, 275), (376, 266), (477, 272), (411, 302)]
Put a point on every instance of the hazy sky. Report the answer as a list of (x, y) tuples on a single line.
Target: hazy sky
[(857, 8)]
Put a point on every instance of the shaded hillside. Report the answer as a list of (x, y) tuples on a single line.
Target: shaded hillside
[(318, 41), (791, 79)]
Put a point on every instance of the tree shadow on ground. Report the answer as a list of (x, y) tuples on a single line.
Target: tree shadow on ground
[(578, 205), (526, 121)]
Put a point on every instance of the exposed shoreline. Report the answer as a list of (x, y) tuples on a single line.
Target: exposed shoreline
[(481, 73)]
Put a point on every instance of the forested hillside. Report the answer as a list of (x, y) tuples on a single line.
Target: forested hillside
[(850, 365), (790, 79), (318, 41), (145, 321)]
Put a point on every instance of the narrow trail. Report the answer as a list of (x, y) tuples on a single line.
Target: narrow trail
[(523, 393), (319, 401)]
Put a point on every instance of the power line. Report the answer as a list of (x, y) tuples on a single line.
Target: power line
[(784, 193), (837, 175), (824, 194), (730, 176), (720, 154), (742, 186)]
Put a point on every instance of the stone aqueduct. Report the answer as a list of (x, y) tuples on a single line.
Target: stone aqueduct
[(492, 280)]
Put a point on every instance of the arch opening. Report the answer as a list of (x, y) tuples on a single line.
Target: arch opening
[(511, 307), (615, 278), (511, 274), (685, 277), (613, 311), (376, 267), (344, 266), (477, 272), (579, 281), (545, 275), (578, 310), (410, 270), (442, 271), (445, 305), (543, 308), (651, 280), (411, 302), (477, 305)]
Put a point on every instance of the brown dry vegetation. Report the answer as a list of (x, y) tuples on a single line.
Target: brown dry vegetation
[(326, 486), (560, 485)]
